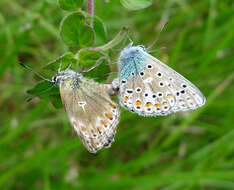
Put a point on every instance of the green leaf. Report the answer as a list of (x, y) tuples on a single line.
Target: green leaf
[(43, 90), (52, 1), (75, 32), (100, 30), (47, 91), (89, 58), (98, 26), (136, 4), (70, 5), (55, 99), (65, 60), (115, 41)]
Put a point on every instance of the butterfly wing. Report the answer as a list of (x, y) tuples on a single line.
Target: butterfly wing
[(157, 89), (91, 112)]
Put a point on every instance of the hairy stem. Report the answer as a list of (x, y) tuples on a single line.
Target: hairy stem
[(91, 10)]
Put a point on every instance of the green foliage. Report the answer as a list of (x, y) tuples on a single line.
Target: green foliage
[(136, 4), (56, 100), (191, 150), (70, 5), (88, 58), (75, 32), (100, 30), (64, 61), (43, 89), (52, 1)]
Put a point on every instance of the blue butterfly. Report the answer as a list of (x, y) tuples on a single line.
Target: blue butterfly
[(148, 87)]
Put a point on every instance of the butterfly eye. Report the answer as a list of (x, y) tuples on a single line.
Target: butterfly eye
[(54, 78)]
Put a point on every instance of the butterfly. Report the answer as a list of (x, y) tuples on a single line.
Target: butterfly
[(90, 110), (148, 87)]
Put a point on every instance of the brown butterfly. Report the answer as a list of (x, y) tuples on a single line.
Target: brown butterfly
[(89, 107)]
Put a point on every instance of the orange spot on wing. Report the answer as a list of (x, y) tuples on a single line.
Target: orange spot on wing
[(83, 129), (148, 104), (109, 115), (157, 105), (164, 103), (99, 128), (113, 106), (138, 103), (104, 123), (125, 98)]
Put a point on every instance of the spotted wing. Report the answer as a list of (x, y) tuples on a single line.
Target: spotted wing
[(91, 112), (159, 90)]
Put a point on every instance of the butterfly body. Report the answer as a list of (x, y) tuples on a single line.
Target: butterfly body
[(90, 109), (148, 87), (130, 62)]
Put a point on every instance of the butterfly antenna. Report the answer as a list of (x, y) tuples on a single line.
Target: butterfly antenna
[(121, 48), (40, 76), (156, 40), (69, 66), (130, 40), (99, 62), (130, 44), (60, 66)]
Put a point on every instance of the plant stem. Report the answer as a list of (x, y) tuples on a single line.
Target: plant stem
[(91, 10), (117, 39)]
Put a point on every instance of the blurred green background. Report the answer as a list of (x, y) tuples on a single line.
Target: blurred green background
[(191, 150)]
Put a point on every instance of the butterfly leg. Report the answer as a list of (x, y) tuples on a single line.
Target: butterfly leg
[(115, 84)]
